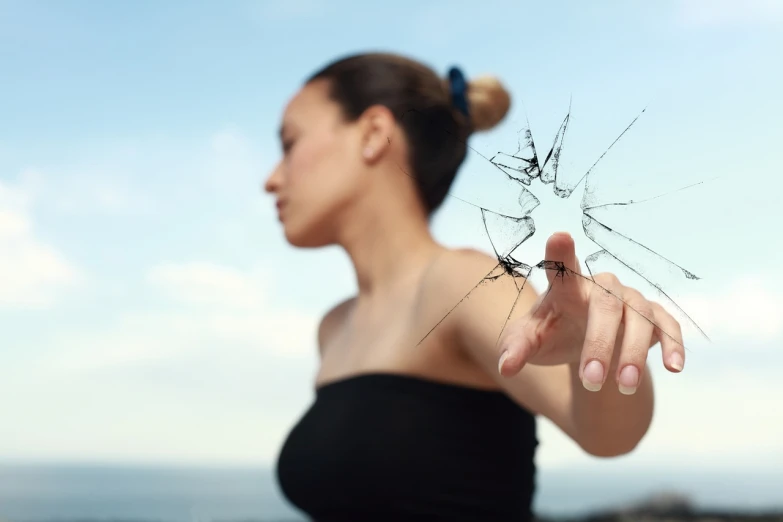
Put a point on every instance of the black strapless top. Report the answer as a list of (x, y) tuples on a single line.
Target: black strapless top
[(382, 447)]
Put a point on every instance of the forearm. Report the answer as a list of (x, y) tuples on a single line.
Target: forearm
[(608, 423)]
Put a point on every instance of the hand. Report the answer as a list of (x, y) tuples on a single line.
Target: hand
[(578, 322)]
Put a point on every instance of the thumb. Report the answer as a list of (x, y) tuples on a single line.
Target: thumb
[(560, 248)]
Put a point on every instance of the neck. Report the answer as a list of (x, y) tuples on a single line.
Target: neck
[(388, 245)]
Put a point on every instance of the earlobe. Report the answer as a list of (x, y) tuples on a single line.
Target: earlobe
[(368, 153)]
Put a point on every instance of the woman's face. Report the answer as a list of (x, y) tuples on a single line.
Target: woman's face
[(321, 170)]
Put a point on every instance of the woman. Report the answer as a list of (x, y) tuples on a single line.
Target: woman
[(441, 428)]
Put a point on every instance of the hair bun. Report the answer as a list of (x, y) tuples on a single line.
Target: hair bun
[(489, 102)]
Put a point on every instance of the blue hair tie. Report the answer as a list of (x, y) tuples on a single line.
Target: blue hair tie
[(459, 91)]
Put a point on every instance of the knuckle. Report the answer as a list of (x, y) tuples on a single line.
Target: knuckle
[(639, 303), (643, 308), (632, 294), (658, 309), (609, 280), (513, 341), (599, 344), (672, 334), (635, 351), (507, 343), (608, 303), (665, 322)]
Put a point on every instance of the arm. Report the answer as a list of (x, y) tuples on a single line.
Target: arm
[(608, 423), (603, 423)]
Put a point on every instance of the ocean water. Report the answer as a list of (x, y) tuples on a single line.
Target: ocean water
[(70, 492), (30, 493)]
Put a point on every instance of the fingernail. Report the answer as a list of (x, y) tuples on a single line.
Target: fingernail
[(676, 361), (629, 380), (593, 375), (503, 358)]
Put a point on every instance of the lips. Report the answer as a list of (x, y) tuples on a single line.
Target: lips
[(280, 205)]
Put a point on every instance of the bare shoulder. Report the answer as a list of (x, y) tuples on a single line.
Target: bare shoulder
[(468, 257), (461, 275), (459, 264), (465, 287), (479, 300), (331, 322)]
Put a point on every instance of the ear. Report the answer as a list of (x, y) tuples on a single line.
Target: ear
[(378, 127)]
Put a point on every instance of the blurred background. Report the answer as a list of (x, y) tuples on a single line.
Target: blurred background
[(157, 334)]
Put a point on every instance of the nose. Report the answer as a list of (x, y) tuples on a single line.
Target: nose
[(272, 183)]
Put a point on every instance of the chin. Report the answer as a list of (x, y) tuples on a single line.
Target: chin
[(305, 238)]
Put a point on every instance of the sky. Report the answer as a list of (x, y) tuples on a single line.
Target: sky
[(151, 310)]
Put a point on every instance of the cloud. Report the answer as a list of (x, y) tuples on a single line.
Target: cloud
[(233, 305), (716, 13), (32, 273), (107, 197), (207, 283), (748, 308), (92, 186), (689, 427), (211, 312), (190, 356), (210, 369)]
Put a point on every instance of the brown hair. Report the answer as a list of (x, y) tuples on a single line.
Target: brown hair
[(436, 131)]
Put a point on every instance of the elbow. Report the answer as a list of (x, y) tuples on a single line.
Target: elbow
[(618, 433), (614, 443), (610, 448)]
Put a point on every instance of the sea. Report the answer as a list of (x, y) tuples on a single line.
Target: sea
[(77, 492)]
